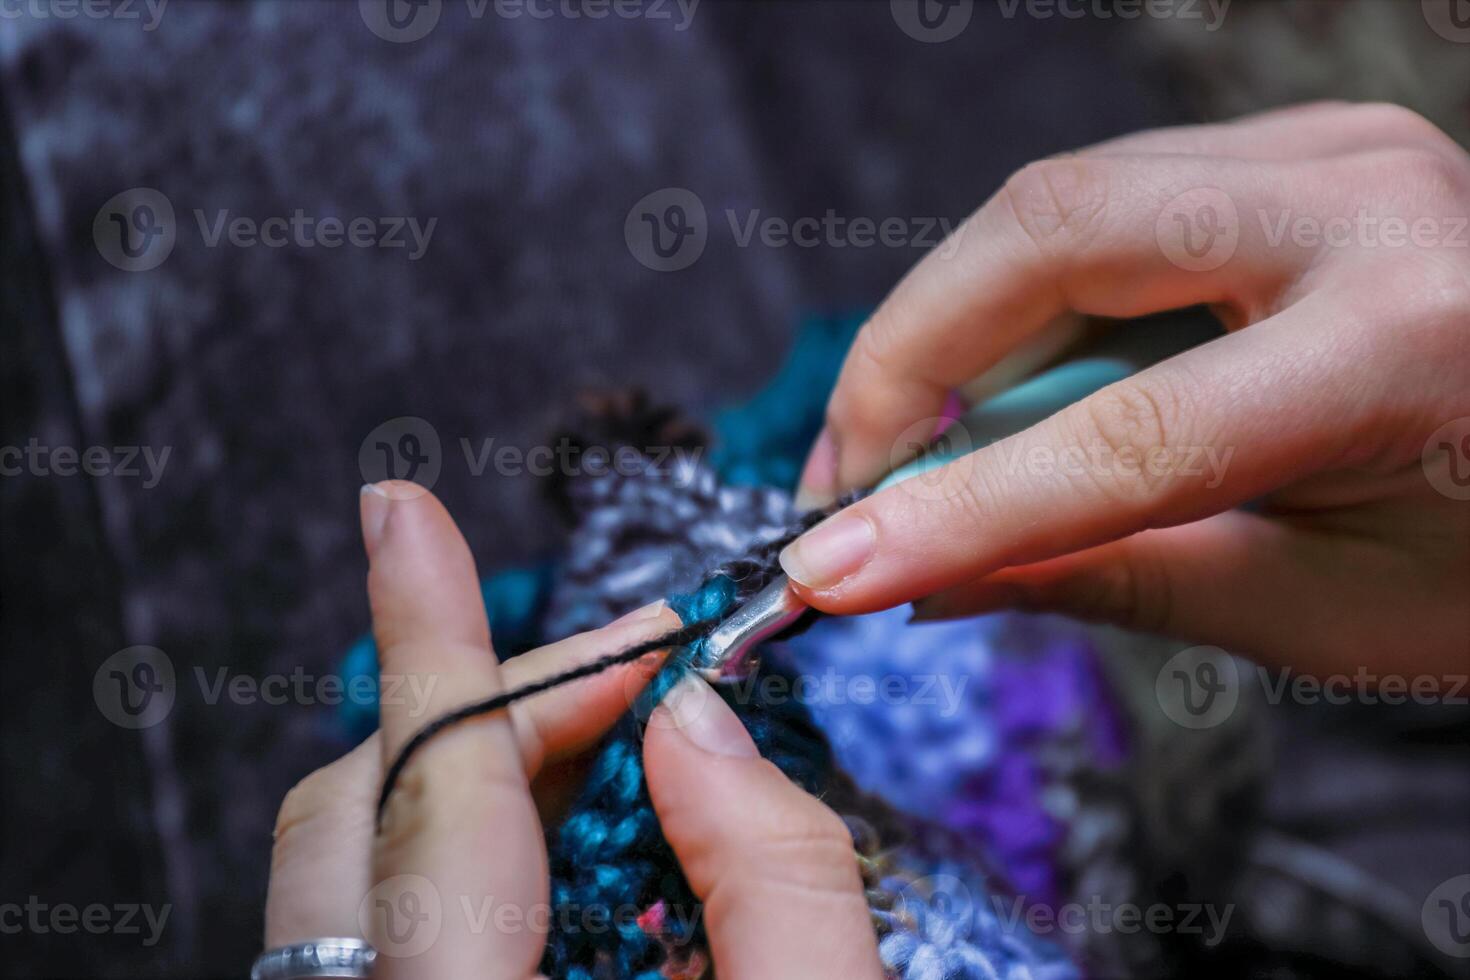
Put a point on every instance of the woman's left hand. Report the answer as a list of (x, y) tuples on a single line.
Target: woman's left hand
[(455, 882)]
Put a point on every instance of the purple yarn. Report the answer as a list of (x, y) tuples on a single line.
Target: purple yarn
[(1010, 690)]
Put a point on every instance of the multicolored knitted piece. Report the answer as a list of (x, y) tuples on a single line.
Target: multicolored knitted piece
[(655, 532)]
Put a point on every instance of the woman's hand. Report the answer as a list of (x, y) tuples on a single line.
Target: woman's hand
[(1332, 242), (455, 883)]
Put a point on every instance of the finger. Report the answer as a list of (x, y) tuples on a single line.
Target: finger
[(1232, 580), (429, 621), (1092, 235), (1193, 436), (556, 725), (460, 830), (323, 842), (766, 859), (1310, 131), (1301, 132)]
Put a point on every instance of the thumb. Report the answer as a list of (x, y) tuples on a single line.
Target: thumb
[(774, 868)]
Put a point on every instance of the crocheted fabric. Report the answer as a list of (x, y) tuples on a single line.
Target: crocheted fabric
[(932, 896), (1038, 774)]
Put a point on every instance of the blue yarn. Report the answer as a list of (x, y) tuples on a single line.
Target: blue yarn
[(763, 441), (514, 600), (610, 854)]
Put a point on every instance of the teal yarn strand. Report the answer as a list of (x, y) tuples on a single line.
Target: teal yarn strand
[(610, 864)]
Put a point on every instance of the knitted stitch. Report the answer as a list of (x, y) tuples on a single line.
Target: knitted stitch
[(635, 536)]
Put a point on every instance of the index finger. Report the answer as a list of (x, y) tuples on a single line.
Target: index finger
[(461, 828), (1080, 234), (1193, 436)]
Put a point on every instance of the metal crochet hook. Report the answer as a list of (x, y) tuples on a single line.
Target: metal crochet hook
[(728, 650)]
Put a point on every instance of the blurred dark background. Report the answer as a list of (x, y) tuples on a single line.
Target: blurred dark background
[(262, 370)]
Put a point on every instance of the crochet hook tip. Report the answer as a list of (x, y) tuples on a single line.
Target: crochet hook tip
[(727, 650)]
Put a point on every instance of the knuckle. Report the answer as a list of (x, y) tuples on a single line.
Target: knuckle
[(439, 792), (406, 816), (851, 410), (1108, 593), (1419, 175), (1397, 122), (1441, 175), (811, 845), (1132, 592), (306, 800), (1425, 294), (1059, 203), (1130, 424)]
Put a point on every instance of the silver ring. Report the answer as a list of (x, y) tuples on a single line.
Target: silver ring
[(318, 958)]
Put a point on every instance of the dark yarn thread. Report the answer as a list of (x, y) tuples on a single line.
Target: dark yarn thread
[(674, 638)]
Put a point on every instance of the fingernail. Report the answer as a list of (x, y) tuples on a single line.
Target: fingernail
[(818, 484), (651, 611), (829, 552), (373, 507), (706, 720)]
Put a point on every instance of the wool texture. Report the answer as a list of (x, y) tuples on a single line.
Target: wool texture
[(1044, 778), (932, 904)]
